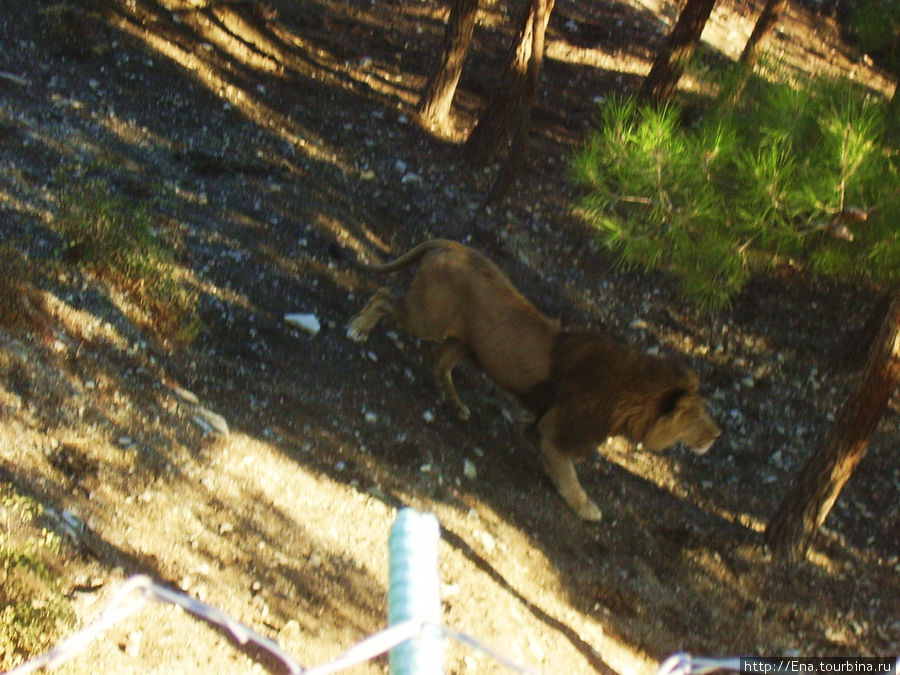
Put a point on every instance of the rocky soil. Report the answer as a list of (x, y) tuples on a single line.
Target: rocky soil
[(259, 467)]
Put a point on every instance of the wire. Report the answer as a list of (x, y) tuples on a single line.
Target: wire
[(123, 605)]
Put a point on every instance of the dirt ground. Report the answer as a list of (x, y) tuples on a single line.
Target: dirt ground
[(263, 137)]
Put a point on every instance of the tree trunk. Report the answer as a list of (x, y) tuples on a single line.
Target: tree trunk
[(894, 110), (662, 81), (764, 25), (797, 519), (509, 110), (519, 144), (434, 106)]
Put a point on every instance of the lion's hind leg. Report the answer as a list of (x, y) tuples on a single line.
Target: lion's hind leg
[(561, 470), (382, 304), (444, 359)]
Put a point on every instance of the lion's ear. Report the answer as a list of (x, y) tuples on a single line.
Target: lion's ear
[(669, 401)]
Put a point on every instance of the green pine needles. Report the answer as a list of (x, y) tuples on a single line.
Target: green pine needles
[(788, 174)]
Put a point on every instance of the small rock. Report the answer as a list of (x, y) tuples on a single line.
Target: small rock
[(291, 631), (487, 540), (185, 395), (211, 422), (73, 527), (307, 322), (428, 416), (371, 417), (469, 470)]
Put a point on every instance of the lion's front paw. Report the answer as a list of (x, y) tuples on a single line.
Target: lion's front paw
[(356, 332), (589, 511)]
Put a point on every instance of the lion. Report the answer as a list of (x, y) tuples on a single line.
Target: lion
[(581, 386)]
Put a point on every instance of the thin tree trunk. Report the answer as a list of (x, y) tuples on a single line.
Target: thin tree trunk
[(519, 144), (803, 510), (894, 110), (662, 81), (510, 107), (434, 106), (770, 15)]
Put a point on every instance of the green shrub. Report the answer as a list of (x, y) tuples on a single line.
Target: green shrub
[(114, 237), (34, 613), (789, 173)]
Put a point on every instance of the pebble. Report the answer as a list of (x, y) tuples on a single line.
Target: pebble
[(307, 322), (487, 540), (185, 395), (211, 421)]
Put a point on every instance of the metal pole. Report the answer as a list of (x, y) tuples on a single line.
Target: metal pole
[(415, 593)]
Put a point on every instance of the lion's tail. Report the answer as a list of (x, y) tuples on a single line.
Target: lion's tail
[(411, 257)]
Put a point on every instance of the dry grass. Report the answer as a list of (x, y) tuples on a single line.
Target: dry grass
[(21, 303)]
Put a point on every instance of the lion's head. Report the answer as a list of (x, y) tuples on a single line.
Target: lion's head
[(683, 418)]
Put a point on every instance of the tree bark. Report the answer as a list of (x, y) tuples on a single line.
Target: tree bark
[(793, 527), (770, 15), (519, 144), (662, 81), (894, 110), (434, 106), (510, 108)]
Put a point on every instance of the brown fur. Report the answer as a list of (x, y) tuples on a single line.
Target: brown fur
[(582, 386)]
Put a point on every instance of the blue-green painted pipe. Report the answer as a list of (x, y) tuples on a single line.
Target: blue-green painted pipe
[(415, 593)]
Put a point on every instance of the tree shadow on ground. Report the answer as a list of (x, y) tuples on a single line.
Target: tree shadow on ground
[(259, 211)]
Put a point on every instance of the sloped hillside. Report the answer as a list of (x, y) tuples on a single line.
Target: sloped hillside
[(258, 467)]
